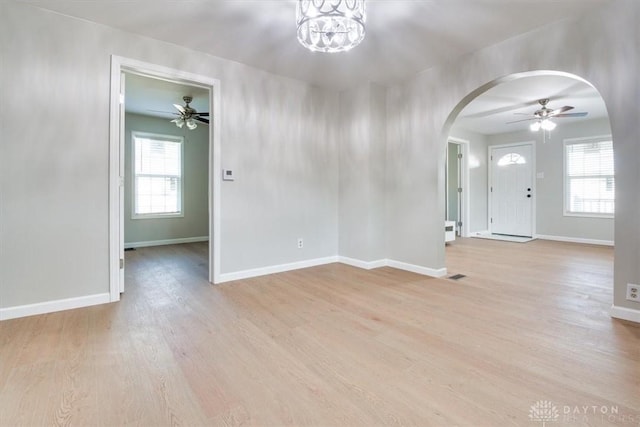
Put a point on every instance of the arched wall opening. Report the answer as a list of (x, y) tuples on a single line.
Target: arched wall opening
[(498, 114), (420, 112)]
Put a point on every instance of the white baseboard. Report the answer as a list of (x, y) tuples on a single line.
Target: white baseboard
[(166, 242), (479, 233), (255, 272), (89, 300), (366, 265), (53, 306), (625, 313), (426, 271), (575, 240)]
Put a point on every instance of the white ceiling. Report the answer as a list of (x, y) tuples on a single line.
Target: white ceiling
[(155, 97), (491, 112), (403, 38)]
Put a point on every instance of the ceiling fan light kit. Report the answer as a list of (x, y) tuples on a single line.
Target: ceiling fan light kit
[(545, 124), (330, 25), (188, 115), (543, 115), (180, 122)]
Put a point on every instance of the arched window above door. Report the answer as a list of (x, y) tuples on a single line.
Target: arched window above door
[(511, 159)]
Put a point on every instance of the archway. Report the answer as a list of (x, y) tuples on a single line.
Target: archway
[(499, 114)]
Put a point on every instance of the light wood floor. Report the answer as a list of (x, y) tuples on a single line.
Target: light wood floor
[(334, 345)]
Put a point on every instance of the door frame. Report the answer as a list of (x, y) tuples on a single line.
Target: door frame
[(464, 182), (534, 202), (121, 65)]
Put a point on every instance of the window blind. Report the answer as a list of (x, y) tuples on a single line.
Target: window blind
[(590, 180), (158, 176)]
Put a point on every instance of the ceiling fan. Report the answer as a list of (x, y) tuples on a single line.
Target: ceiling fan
[(187, 115), (543, 115)]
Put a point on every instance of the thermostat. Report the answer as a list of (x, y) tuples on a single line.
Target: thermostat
[(227, 175)]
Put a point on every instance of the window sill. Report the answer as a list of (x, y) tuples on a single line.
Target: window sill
[(589, 215), (157, 216)]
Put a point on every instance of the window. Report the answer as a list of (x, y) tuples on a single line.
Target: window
[(589, 177), (157, 175), (512, 159)]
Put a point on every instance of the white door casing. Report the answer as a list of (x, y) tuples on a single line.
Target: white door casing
[(119, 65), (121, 173), (512, 192), (464, 200)]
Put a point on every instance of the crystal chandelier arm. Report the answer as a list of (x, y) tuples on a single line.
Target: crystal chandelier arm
[(330, 25)]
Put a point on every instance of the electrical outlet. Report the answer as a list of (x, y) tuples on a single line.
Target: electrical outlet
[(300, 243), (633, 292)]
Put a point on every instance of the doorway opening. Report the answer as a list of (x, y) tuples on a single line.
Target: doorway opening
[(129, 193), (166, 168), (457, 188)]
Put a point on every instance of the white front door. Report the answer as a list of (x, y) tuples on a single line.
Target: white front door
[(512, 190)]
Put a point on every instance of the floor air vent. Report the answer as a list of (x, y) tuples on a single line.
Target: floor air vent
[(457, 276)]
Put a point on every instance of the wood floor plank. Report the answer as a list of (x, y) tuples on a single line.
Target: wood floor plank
[(334, 345)]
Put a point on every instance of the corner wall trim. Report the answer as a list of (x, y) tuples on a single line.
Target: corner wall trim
[(575, 240), (263, 271), (625, 313), (166, 242), (89, 300), (369, 265), (366, 265), (53, 306), (426, 271)]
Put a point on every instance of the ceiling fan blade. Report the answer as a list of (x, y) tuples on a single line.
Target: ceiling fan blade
[(571, 115), (179, 108), (200, 119), (202, 114), (560, 110), (523, 120), (166, 112)]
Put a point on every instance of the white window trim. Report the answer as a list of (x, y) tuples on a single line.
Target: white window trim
[(565, 202), (172, 138)]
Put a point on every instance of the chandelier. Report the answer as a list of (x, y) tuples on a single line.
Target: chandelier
[(330, 25)]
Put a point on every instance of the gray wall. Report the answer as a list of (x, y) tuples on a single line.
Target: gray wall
[(550, 218), (276, 133), (362, 173), (280, 137), (195, 202)]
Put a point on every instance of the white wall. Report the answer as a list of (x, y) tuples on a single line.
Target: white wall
[(550, 218), (195, 201), (276, 134), (600, 47)]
